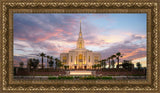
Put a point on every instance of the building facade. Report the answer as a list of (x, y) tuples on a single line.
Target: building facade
[(80, 58)]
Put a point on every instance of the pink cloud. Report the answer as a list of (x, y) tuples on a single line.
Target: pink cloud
[(68, 33), (46, 36), (21, 38), (60, 30), (132, 53)]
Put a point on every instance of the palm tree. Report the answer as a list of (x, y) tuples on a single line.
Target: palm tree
[(51, 61), (138, 64), (35, 63), (32, 63), (48, 57), (100, 62), (94, 66), (113, 63), (108, 59), (29, 64), (98, 65), (56, 61), (127, 65), (51, 58), (21, 64), (42, 55), (117, 56), (103, 63), (50, 64)]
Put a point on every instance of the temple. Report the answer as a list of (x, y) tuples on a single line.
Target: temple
[(80, 58)]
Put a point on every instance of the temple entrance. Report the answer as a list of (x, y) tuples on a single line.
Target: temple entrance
[(85, 67), (75, 67), (80, 67)]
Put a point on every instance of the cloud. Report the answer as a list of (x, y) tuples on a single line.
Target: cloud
[(24, 59), (18, 59), (57, 33), (128, 48)]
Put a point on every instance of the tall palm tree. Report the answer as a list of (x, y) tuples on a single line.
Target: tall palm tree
[(42, 55), (108, 59), (113, 63), (51, 61), (98, 65), (29, 63), (118, 55), (51, 58), (56, 61), (100, 62), (48, 57), (34, 63), (103, 63)]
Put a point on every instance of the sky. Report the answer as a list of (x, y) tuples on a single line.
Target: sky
[(106, 33)]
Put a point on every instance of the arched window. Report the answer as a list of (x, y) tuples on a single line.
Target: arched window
[(80, 57)]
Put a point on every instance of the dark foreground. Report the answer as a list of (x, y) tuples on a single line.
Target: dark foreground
[(79, 77)]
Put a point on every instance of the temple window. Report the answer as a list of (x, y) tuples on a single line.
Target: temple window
[(71, 58), (64, 59), (95, 59), (80, 57)]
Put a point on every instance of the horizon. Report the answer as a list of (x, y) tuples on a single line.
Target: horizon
[(104, 33)]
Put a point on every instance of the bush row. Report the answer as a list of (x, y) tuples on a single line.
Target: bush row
[(78, 77)]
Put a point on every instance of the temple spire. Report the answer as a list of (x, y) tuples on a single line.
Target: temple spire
[(80, 25), (80, 33), (80, 41)]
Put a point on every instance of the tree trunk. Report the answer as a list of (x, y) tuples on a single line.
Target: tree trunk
[(47, 63), (109, 64), (118, 62), (42, 62), (112, 64)]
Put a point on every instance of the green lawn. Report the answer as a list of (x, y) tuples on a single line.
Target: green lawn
[(79, 77)]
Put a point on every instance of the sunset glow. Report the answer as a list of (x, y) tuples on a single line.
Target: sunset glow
[(57, 33)]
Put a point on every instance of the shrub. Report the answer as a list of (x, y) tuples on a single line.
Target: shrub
[(106, 77), (65, 77)]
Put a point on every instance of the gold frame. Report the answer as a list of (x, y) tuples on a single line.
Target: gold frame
[(151, 84)]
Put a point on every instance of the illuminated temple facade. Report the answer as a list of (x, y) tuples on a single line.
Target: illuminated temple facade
[(80, 58)]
